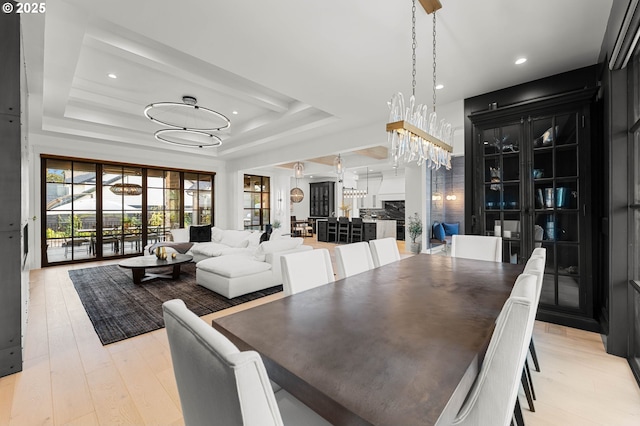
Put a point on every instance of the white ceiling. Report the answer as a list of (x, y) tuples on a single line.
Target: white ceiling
[(295, 70)]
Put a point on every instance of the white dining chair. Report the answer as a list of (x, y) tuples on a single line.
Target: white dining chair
[(306, 270), (384, 251), (535, 265), (477, 247), (540, 251), (218, 384), (492, 398), (353, 259)]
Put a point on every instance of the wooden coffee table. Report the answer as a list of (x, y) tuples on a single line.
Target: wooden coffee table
[(139, 265)]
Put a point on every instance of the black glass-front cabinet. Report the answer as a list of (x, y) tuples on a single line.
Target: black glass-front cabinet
[(531, 183)]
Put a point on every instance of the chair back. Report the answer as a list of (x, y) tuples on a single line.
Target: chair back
[(535, 266), (493, 396), (353, 259), (540, 251), (306, 270), (477, 247), (384, 251), (216, 382), (538, 235)]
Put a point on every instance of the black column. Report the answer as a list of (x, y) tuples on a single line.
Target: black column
[(10, 196)]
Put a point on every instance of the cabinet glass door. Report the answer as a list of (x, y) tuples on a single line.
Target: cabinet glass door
[(556, 197), (501, 167)]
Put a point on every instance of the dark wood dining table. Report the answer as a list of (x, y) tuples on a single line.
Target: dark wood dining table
[(396, 345)]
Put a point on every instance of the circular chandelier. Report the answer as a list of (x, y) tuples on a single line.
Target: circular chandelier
[(188, 137), (126, 189), (190, 125), (296, 195), (186, 115)]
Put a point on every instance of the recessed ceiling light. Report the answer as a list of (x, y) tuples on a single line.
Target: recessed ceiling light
[(234, 112), (440, 86), (112, 75), (521, 61), (370, 170), (310, 177)]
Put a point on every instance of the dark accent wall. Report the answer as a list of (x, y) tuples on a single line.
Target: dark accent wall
[(615, 182), (10, 197), (448, 182)]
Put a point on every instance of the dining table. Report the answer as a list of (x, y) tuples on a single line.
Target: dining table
[(396, 345)]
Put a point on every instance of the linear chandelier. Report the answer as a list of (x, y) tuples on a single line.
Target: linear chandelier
[(189, 124), (356, 193), (413, 133)]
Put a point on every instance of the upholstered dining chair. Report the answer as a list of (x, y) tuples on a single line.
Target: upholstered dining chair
[(353, 259), (305, 270), (384, 251), (494, 394), (477, 247), (218, 384), (535, 266)]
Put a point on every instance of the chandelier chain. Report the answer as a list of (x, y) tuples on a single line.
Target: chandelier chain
[(434, 61), (413, 47)]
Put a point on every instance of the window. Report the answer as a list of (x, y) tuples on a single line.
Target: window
[(90, 216), (256, 202)]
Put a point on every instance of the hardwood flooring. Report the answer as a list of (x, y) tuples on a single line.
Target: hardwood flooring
[(70, 378)]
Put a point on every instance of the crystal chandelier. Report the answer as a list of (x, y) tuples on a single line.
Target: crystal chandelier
[(413, 133)]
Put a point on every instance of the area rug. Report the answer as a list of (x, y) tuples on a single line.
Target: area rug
[(120, 309)]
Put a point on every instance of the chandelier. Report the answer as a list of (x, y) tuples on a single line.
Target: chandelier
[(338, 166), (356, 193), (126, 189), (413, 133), (189, 124), (296, 193)]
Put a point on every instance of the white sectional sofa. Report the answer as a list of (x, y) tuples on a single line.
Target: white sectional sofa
[(237, 274), (234, 262)]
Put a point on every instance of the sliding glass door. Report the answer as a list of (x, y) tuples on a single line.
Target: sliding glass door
[(103, 210)]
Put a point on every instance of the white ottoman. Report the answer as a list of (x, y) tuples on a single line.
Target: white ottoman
[(234, 275)]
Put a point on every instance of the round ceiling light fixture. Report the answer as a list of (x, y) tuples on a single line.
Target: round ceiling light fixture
[(296, 195), (126, 189), (188, 137), (521, 61), (186, 115)]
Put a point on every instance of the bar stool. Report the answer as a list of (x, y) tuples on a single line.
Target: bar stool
[(343, 229), (332, 229), (356, 229)]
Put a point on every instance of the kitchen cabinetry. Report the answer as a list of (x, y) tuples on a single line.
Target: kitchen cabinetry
[(321, 199)]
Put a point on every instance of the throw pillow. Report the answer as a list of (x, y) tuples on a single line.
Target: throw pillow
[(180, 235), (254, 239), (438, 231), (276, 234), (216, 234), (200, 234), (451, 228)]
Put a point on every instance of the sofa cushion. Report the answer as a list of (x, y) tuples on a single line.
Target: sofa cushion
[(209, 249), (180, 235), (233, 238), (233, 266), (281, 244), (200, 234)]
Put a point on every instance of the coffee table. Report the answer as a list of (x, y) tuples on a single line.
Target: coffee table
[(139, 265)]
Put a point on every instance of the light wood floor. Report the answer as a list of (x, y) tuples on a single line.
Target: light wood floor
[(69, 378)]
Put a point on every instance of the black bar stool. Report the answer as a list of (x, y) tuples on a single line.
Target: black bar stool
[(343, 229), (356, 229), (332, 229)]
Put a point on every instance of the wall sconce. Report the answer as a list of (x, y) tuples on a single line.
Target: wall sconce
[(452, 197), (436, 196)]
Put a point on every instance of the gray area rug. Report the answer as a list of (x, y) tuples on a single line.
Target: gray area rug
[(120, 309)]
